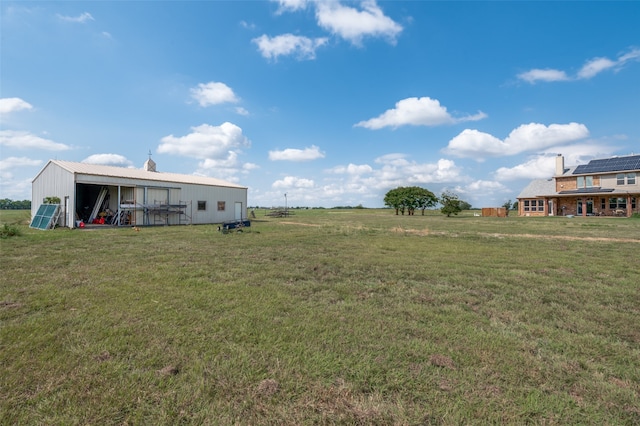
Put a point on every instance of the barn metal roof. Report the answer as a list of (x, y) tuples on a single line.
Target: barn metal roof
[(131, 173)]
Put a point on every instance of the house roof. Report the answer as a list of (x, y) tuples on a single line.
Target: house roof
[(538, 187), (131, 173), (613, 164)]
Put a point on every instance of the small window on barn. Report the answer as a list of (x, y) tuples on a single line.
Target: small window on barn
[(202, 205), (221, 206)]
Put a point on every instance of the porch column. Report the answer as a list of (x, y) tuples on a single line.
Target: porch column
[(629, 209)]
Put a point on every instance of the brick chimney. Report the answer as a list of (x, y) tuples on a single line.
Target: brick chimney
[(559, 165)]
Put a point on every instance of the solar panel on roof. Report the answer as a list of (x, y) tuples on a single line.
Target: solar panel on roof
[(45, 216), (614, 164)]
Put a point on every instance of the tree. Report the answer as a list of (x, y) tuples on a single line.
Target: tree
[(450, 203), (409, 199), (507, 205), (465, 206), (421, 198), (393, 199)]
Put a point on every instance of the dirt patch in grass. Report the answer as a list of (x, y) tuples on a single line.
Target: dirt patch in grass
[(442, 361), (268, 387), (561, 237), (315, 225), (426, 232), (169, 370), (103, 356)]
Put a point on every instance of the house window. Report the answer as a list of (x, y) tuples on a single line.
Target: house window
[(533, 205), (221, 206), (631, 178), (584, 181), (633, 203), (620, 178), (202, 205), (617, 203), (603, 203), (622, 203)]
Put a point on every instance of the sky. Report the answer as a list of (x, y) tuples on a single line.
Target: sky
[(332, 103)]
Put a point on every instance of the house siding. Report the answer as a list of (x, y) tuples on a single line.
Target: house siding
[(603, 197)]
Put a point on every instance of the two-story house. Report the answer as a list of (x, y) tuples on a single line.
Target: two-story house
[(604, 187)]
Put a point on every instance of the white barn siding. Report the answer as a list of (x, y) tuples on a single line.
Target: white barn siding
[(212, 196), (136, 188), (54, 181)]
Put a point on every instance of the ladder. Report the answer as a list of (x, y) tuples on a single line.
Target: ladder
[(98, 205)]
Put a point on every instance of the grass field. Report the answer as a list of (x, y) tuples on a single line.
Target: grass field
[(324, 317)]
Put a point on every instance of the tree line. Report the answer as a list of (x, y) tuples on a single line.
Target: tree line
[(408, 199), (7, 204)]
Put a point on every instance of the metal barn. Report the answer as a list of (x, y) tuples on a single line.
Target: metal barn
[(119, 196)]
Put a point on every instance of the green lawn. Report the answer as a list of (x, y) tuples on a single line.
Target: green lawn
[(324, 317)]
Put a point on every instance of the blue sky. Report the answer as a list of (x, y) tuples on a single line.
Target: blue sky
[(331, 102)]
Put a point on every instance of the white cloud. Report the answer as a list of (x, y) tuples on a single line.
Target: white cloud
[(397, 170), (540, 167), (289, 44), (352, 169), (417, 112), (543, 166), (250, 166), (480, 190), (18, 189), (247, 25), (292, 154), (290, 5), (527, 137), (206, 142), (80, 19), (213, 93), (353, 24), (108, 160), (8, 105), (293, 182), (227, 162), (25, 140), (16, 162), (589, 70), (543, 75), (241, 111), (595, 67)]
